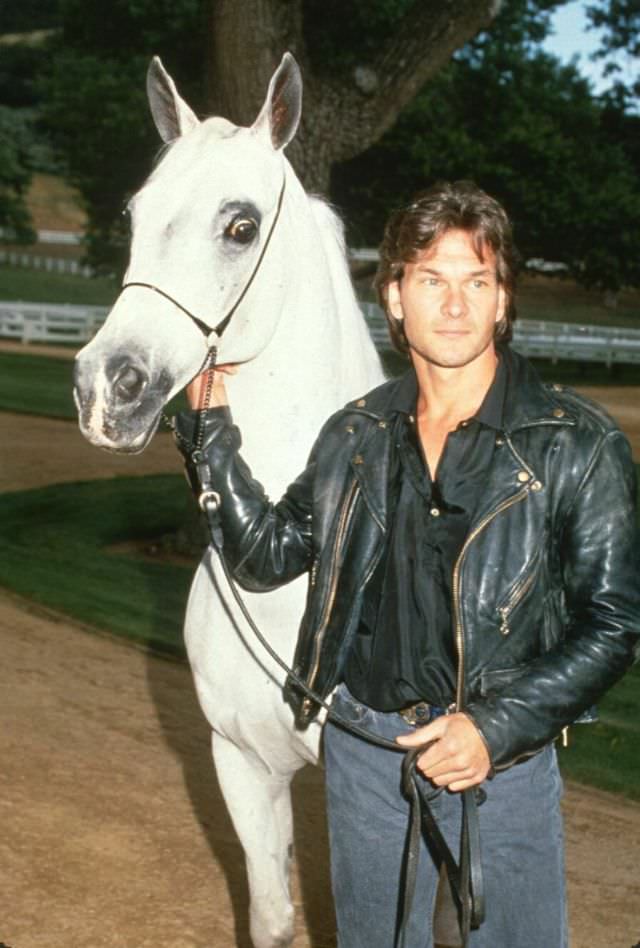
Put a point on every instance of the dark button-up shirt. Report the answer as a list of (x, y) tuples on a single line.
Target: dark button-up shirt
[(404, 648)]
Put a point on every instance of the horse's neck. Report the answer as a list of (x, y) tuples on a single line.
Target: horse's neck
[(319, 357)]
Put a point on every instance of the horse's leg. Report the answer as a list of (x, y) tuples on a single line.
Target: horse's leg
[(260, 806)]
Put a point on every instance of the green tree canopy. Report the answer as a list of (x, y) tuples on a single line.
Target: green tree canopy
[(619, 21), (15, 174), (95, 92), (529, 131)]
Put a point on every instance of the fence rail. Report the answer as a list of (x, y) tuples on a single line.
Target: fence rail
[(49, 322), (38, 261), (546, 340)]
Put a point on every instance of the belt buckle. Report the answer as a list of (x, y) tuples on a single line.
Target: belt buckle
[(419, 713)]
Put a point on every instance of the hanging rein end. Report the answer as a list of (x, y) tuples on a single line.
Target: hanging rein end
[(409, 767)]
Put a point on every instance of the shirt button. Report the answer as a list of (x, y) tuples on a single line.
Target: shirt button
[(522, 476), (434, 512), (558, 413), (349, 429)]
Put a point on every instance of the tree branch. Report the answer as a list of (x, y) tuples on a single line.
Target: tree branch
[(366, 105)]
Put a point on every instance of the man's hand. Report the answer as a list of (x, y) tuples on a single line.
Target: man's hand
[(458, 759), (196, 389)]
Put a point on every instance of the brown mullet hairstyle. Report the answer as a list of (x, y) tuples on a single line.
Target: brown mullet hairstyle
[(457, 205)]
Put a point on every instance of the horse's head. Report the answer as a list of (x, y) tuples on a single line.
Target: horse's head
[(201, 232)]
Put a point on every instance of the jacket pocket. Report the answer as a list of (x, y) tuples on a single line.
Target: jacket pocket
[(518, 591), (494, 680)]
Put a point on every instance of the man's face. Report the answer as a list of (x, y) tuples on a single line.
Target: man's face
[(449, 300)]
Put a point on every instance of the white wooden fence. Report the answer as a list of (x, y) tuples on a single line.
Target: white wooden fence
[(36, 261), (546, 340), (51, 323)]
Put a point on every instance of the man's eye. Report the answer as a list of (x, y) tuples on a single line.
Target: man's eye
[(242, 230), (478, 284)]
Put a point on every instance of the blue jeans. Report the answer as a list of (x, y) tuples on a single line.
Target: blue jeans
[(521, 840)]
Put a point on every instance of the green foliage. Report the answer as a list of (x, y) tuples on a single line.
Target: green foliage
[(96, 107), (29, 15), (15, 175), (527, 130), (53, 551), (620, 21), (19, 67), (336, 39)]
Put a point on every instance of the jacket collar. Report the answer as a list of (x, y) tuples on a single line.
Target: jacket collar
[(527, 401)]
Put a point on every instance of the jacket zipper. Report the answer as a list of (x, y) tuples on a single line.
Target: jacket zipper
[(518, 593), (459, 637), (343, 523)]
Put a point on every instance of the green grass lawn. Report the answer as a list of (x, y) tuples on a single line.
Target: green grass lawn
[(53, 550), (43, 385), (36, 385), (38, 286), (607, 754)]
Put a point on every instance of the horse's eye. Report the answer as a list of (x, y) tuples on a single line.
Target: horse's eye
[(242, 230)]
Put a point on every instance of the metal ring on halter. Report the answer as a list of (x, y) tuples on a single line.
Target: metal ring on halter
[(209, 497)]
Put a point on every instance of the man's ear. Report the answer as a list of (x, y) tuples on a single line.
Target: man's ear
[(394, 302)]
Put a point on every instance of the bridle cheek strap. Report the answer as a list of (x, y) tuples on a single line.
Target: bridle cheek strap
[(213, 335)]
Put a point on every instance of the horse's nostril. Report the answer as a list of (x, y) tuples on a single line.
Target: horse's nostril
[(128, 383)]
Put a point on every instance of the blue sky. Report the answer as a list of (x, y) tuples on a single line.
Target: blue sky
[(571, 37)]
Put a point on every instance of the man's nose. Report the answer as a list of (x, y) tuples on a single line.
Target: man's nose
[(454, 304)]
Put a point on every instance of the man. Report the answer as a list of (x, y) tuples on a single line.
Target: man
[(474, 583)]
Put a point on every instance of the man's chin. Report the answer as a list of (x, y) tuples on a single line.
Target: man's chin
[(452, 351)]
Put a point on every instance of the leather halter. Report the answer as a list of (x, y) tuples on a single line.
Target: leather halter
[(213, 334)]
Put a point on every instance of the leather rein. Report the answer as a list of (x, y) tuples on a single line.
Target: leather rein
[(465, 877)]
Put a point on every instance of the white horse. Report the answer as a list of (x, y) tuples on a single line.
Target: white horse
[(200, 224)]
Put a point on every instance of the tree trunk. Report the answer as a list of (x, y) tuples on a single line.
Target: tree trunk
[(345, 114)]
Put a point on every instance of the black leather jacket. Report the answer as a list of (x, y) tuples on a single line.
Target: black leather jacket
[(546, 588)]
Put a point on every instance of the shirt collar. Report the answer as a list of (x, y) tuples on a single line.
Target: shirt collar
[(404, 397), (491, 411)]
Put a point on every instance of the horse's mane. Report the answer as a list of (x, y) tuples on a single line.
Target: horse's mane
[(328, 220)]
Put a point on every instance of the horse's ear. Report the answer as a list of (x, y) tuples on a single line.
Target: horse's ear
[(280, 113), (170, 112)]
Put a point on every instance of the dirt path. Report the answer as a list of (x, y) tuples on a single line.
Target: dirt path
[(113, 829), (114, 834), (38, 451)]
